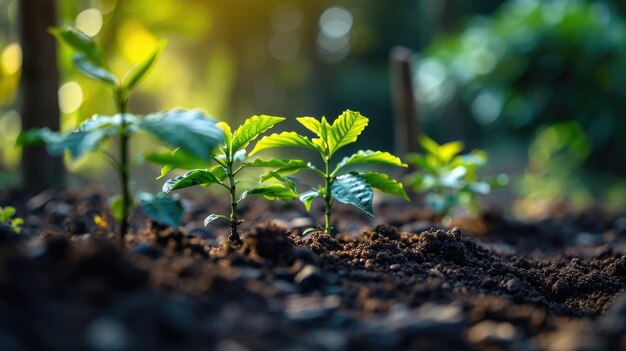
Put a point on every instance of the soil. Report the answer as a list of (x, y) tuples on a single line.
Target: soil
[(403, 282)]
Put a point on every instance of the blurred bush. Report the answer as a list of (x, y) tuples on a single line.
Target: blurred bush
[(549, 73)]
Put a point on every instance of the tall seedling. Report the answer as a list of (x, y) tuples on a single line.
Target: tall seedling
[(349, 187), (230, 160), (188, 130)]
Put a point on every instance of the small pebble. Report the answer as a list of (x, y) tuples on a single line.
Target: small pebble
[(395, 267)]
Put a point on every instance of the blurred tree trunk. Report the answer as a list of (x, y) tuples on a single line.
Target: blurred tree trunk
[(38, 104)]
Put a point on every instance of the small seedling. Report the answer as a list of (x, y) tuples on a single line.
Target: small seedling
[(7, 216), (451, 180), (188, 130), (230, 162), (352, 187)]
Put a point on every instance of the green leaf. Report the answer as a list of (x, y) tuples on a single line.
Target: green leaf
[(162, 208), (277, 176), (6, 213), (38, 136), (101, 121), (191, 131), (213, 217), (353, 189), (94, 70), (228, 136), (281, 165), (271, 192), (191, 178), (447, 151), (79, 42), (311, 124), (429, 145), (421, 161), (80, 142), (284, 139), (177, 159), (345, 130), (321, 128), (251, 129), (307, 198), (16, 225), (370, 156), (117, 207), (385, 184), (139, 71)]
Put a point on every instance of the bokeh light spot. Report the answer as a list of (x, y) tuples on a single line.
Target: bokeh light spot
[(70, 97), (284, 47), (11, 58), (89, 22), (336, 22)]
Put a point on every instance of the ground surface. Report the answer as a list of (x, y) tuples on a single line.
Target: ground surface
[(407, 284)]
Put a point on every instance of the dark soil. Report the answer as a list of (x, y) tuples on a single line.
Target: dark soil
[(490, 284)]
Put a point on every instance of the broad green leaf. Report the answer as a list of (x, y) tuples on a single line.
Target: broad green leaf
[(476, 158), (345, 130), (101, 121), (307, 198), (94, 70), (429, 145), (38, 136), (454, 178), (311, 124), (191, 131), (251, 129), (77, 143), (280, 165), (284, 139), (139, 71), (7, 213), (228, 135), (177, 159), (213, 217), (385, 184), (191, 178), (351, 188), (80, 42), (370, 156), (421, 161), (448, 150), (16, 225), (117, 208), (162, 208), (271, 192), (277, 176), (80, 142)]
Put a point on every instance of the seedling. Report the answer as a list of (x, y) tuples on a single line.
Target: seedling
[(7, 216), (230, 160), (188, 130), (352, 187), (451, 180)]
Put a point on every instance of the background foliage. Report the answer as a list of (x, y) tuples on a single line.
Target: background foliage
[(537, 84)]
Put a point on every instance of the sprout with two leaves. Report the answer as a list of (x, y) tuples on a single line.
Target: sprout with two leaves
[(191, 131), (225, 170), (349, 187)]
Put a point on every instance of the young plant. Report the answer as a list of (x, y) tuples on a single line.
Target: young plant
[(230, 160), (191, 131), (451, 180), (7, 216), (351, 187)]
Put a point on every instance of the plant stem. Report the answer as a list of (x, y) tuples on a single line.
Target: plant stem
[(122, 107), (328, 199), (234, 234)]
